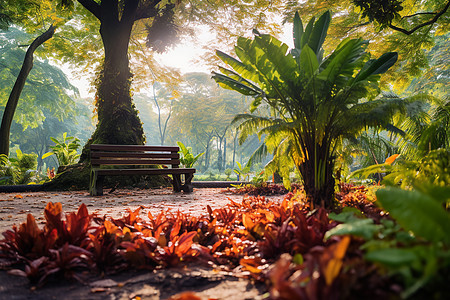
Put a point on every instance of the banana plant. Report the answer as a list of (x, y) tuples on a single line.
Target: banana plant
[(316, 101)]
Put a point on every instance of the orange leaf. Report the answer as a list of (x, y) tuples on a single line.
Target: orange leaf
[(18, 197), (252, 264), (337, 253), (54, 209), (185, 296), (391, 159), (247, 221), (110, 227), (175, 230)]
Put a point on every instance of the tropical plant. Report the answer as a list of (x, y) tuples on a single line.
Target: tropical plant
[(18, 170), (428, 172), (427, 127), (187, 159), (64, 150), (316, 101), (415, 246)]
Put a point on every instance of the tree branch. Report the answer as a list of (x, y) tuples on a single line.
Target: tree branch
[(420, 13), (436, 17), (130, 11), (92, 6), (147, 11)]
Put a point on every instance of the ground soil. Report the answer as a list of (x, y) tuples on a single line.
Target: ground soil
[(161, 284)]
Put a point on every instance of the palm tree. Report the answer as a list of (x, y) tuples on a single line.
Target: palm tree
[(316, 101), (427, 127)]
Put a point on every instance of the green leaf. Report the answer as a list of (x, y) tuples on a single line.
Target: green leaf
[(319, 32), (416, 212), (348, 214), (308, 61), (47, 155), (306, 35), (229, 83), (379, 66), (298, 259), (298, 30), (364, 228), (393, 257)]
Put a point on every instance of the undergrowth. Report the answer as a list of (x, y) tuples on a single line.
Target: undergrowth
[(282, 244)]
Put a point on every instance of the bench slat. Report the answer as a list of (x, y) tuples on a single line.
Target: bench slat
[(123, 162), (134, 148), (102, 154), (110, 172)]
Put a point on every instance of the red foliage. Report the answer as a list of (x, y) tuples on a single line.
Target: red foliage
[(264, 189), (280, 243), (350, 195)]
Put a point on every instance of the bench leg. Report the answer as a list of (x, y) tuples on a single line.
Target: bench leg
[(188, 187), (176, 182), (96, 184)]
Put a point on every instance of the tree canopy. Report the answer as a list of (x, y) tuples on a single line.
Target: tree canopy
[(350, 19)]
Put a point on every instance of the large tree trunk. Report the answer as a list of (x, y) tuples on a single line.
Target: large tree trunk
[(13, 100), (118, 121)]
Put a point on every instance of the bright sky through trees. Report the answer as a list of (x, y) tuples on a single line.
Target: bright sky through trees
[(187, 56)]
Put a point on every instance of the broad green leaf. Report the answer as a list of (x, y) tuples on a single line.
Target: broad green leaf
[(319, 32), (343, 61), (378, 66), (236, 76), (348, 214), (393, 257), (364, 228), (307, 33), (243, 69), (308, 61), (416, 212), (232, 84), (298, 30)]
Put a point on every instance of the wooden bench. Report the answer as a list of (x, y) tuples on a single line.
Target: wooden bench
[(137, 156)]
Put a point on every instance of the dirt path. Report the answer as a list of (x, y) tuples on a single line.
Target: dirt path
[(14, 207), (161, 284)]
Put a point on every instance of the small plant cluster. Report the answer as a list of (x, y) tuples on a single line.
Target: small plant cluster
[(263, 189), (18, 170)]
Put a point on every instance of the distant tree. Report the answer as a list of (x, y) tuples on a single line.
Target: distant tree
[(47, 92), (202, 114), (13, 100)]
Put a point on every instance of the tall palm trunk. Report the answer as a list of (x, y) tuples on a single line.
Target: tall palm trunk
[(317, 173)]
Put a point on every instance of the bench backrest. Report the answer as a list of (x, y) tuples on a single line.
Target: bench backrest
[(134, 155)]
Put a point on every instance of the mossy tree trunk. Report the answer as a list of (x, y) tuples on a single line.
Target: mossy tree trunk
[(118, 120)]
